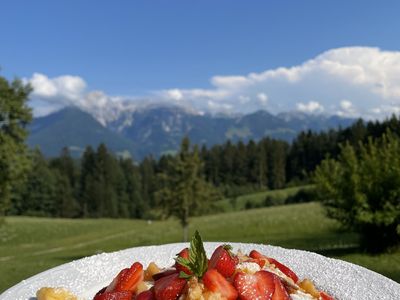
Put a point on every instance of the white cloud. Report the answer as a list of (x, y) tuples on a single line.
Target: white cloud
[(65, 87), (346, 105), (368, 76), (262, 98), (347, 109), (51, 94), (244, 99), (310, 107), (385, 110), (175, 94)]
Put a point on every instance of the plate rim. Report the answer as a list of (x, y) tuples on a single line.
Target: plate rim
[(69, 266)]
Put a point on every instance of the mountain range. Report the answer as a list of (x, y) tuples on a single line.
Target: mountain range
[(158, 130)]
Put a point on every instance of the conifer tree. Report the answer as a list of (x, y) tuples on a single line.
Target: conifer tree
[(185, 192), (135, 205), (86, 186), (148, 180), (105, 179), (39, 194), (67, 206)]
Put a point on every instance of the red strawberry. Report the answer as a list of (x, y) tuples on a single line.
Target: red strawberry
[(258, 261), (223, 261), (146, 295), (285, 270), (122, 295), (127, 279), (280, 291), (113, 283), (164, 273), (255, 254), (217, 283), (325, 296), (260, 286), (101, 291), (184, 254), (169, 287)]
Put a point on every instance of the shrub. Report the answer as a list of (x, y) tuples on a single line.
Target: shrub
[(362, 190), (273, 201), (302, 196)]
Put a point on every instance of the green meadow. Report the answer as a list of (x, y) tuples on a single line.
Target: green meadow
[(31, 245)]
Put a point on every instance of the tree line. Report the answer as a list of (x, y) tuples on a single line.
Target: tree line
[(101, 184)]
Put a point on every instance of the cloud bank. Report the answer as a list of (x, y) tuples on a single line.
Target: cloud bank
[(351, 82)]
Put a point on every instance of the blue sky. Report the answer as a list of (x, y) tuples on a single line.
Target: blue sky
[(176, 51)]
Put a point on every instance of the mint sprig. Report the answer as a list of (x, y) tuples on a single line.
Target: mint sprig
[(197, 262)]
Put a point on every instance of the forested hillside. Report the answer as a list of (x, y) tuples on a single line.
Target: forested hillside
[(101, 184)]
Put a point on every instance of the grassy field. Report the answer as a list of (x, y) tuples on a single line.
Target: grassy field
[(31, 245), (258, 199)]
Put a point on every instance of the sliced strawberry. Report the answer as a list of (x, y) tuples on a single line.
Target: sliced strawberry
[(101, 291), (217, 283), (184, 254), (146, 295), (255, 254), (127, 279), (122, 295), (285, 270), (280, 291), (169, 287), (325, 296), (223, 261), (113, 284), (164, 273), (259, 261), (260, 285)]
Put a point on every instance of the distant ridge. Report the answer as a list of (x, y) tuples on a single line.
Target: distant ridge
[(158, 130), (75, 129)]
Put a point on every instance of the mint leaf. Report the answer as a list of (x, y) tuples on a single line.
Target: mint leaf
[(184, 275), (197, 262), (197, 255), (227, 247), (183, 262)]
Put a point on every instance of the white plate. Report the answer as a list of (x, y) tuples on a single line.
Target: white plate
[(86, 276)]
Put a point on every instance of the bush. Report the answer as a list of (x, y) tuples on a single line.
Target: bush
[(362, 190), (303, 196), (232, 191), (273, 201)]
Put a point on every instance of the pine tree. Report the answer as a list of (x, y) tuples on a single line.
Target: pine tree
[(39, 196), (86, 185), (65, 164), (240, 167), (185, 193), (67, 177), (67, 206), (261, 167), (277, 161), (135, 205), (148, 180), (105, 180)]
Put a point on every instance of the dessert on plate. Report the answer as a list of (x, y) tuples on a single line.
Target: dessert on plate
[(224, 276)]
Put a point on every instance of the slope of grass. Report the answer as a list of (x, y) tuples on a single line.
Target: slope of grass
[(31, 245), (258, 199)]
